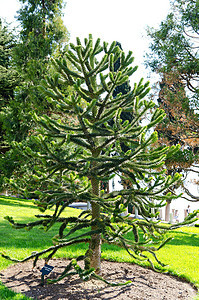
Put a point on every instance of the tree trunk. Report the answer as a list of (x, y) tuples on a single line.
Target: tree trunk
[(95, 244), (167, 211)]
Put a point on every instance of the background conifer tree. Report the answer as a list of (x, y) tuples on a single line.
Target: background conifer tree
[(42, 36), (9, 80), (74, 159), (26, 56)]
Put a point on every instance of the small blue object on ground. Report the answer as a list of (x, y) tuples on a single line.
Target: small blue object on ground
[(46, 269)]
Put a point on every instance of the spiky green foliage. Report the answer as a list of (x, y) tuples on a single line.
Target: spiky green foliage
[(73, 159)]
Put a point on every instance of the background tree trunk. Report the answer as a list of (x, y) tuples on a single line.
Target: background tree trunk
[(167, 211)]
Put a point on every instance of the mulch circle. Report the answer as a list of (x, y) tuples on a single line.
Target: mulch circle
[(146, 283)]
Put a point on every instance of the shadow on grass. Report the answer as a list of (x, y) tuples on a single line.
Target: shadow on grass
[(184, 238), (22, 212), (17, 202), (35, 238), (39, 239)]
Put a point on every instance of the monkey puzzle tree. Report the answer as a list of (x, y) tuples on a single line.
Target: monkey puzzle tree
[(73, 159)]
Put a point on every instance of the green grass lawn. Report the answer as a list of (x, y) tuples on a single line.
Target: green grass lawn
[(181, 254)]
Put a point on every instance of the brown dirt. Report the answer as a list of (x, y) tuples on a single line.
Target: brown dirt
[(146, 284)]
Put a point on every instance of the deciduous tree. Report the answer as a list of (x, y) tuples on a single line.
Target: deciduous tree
[(174, 56)]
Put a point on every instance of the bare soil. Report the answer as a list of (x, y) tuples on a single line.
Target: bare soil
[(146, 284)]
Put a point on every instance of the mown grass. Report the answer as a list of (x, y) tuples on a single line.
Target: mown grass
[(181, 254), (20, 243), (6, 294)]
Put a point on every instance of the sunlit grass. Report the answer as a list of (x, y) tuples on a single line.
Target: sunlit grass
[(181, 254), (7, 294), (21, 243)]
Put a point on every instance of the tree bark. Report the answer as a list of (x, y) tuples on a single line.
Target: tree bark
[(95, 244)]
